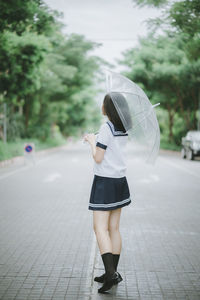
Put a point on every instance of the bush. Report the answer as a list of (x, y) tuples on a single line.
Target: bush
[(16, 148)]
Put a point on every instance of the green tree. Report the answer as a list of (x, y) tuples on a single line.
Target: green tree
[(46, 77), (24, 26), (182, 18), (168, 65), (34, 15), (67, 78), (168, 76)]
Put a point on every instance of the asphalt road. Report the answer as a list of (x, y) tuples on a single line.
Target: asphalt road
[(47, 246)]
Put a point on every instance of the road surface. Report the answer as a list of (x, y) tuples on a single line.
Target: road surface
[(48, 248)]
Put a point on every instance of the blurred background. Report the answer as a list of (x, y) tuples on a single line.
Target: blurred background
[(52, 55), (52, 83)]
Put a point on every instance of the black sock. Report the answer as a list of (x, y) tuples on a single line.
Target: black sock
[(116, 260), (108, 263)]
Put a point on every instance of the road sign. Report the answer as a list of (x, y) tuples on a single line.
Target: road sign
[(28, 148), (29, 152)]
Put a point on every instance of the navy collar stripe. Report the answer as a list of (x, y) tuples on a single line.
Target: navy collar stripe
[(114, 131)]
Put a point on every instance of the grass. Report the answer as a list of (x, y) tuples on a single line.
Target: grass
[(169, 146), (16, 148)]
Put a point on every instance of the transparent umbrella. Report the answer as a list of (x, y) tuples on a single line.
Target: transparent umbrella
[(136, 113)]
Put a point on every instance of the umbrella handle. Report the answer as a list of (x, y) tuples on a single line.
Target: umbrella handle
[(108, 82), (156, 104)]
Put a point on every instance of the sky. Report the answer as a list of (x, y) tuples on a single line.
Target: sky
[(116, 24)]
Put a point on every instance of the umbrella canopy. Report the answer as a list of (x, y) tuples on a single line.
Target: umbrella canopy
[(136, 113)]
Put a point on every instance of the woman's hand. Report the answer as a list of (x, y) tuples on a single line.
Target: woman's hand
[(90, 138), (97, 153)]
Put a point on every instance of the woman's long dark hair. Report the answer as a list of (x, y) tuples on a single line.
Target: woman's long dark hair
[(112, 113)]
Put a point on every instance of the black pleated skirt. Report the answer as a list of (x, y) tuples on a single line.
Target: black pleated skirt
[(109, 193)]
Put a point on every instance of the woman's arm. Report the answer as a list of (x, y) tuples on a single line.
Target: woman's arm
[(97, 152)]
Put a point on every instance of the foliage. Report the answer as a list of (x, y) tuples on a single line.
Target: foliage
[(154, 3), (46, 77), (166, 73), (20, 57), (33, 15), (16, 148), (167, 65)]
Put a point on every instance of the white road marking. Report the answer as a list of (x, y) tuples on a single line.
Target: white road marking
[(181, 168), (155, 177), (14, 172), (151, 178), (52, 177), (23, 168), (75, 160), (144, 180)]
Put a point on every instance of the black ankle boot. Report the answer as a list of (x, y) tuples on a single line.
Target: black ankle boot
[(110, 274), (102, 277), (108, 265), (109, 281)]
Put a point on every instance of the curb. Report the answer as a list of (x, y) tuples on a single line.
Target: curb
[(172, 152), (20, 159)]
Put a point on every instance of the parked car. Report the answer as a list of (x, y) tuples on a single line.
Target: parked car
[(191, 145)]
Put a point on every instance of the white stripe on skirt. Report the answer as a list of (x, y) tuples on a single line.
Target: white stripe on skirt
[(109, 204)]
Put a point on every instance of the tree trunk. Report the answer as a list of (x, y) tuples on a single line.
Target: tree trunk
[(27, 112), (41, 108), (171, 123), (196, 99), (194, 120), (20, 107), (184, 114)]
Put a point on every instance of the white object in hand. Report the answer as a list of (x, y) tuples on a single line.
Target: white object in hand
[(85, 142)]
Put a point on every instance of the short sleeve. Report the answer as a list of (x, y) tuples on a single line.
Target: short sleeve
[(103, 137)]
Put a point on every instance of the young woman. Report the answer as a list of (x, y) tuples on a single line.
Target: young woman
[(110, 191)]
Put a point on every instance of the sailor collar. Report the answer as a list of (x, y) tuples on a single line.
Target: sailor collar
[(115, 131)]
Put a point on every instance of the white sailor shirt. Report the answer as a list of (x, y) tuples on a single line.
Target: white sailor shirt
[(114, 142)]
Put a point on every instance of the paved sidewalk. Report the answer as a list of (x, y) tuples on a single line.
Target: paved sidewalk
[(48, 248)]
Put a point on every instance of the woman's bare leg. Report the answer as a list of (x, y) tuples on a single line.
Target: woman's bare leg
[(106, 227), (100, 226), (113, 228)]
